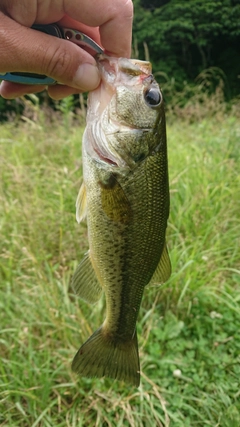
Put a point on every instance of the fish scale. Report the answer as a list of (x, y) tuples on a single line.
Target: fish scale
[(125, 196)]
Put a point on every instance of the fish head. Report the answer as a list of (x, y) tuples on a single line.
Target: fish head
[(125, 113)]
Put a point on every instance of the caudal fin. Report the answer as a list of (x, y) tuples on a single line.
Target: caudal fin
[(99, 356)]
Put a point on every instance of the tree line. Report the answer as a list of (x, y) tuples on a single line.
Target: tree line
[(186, 37), (181, 39)]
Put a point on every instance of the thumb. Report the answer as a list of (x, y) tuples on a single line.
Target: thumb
[(26, 50)]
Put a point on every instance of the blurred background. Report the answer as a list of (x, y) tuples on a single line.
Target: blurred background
[(194, 47), (188, 328)]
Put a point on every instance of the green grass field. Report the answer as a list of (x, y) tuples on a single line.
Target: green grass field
[(189, 329)]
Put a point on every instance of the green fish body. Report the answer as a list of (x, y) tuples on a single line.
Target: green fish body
[(125, 197)]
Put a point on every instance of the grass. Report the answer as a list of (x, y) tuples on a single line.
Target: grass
[(189, 329)]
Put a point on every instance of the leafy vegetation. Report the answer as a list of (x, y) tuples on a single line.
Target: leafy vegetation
[(185, 38), (189, 329)]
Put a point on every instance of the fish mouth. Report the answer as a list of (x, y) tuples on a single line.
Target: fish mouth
[(116, 127), (115, 72), (111, 67), (102, 124)]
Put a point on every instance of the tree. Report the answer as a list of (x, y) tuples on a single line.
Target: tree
[(186, 37)]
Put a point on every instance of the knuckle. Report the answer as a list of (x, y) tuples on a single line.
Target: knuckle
[(59, 63)]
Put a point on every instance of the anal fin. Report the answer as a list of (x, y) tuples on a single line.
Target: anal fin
[(85, 282)]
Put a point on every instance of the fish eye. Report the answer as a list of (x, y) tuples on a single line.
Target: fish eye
[(152, 97)]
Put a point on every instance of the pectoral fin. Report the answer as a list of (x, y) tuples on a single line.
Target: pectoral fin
[(163, 270), (85, 282), (114, 201), (81, 204)]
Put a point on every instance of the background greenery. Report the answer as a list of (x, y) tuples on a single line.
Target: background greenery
[(182, 40), (185, 38), (188, 329)]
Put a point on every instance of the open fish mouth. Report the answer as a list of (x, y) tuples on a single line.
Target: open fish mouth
[(116, 72), (108, 128), (115, 127), (112, 67)]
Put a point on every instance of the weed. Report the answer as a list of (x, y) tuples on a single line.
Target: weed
[(188, 329)]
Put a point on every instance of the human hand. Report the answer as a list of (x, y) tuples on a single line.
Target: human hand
[(108, 22)]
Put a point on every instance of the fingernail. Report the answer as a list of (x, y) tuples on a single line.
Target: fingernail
[(87, 77)]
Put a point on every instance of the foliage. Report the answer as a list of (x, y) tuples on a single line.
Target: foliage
[(188, 329), (184, 38), (10, 107), (181, 39), (27, 106), (204, 98)]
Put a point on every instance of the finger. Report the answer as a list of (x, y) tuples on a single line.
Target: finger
[(60, 91), (113, 17), (9, 90), (116, 34), (36, 52), (92, 32)]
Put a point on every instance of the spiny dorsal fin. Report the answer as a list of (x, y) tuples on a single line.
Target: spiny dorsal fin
[(81, 204), (85, 282), (163, 270)]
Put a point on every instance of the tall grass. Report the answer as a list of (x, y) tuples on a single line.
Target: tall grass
[(189, 329), (207, 97)]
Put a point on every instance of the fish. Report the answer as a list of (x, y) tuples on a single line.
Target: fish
[(125, 199)]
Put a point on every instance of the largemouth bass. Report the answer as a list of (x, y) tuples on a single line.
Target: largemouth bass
[(125, 197)]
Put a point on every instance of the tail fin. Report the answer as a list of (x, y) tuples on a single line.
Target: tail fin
[(99, 356)]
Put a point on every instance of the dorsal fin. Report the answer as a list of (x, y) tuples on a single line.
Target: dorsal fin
[(163, 270)]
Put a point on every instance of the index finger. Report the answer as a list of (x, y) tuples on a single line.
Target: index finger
[(113, 17)]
